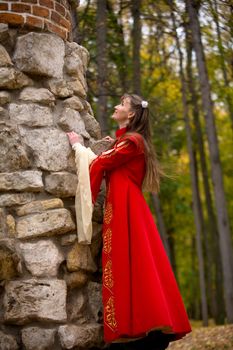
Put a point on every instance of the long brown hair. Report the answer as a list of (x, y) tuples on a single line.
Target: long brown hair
[(140, 123)]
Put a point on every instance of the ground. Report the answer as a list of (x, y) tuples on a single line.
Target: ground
[(206, 338)]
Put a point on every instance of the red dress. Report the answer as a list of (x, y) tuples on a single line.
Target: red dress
[(139, 291)]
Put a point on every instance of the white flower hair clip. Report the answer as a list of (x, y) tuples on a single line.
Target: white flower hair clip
[(144, 104)]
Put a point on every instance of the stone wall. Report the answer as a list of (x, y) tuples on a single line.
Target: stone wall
[(50, 289)]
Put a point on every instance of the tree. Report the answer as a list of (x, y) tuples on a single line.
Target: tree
[(216, 171), (101, 57), (136, 38), (198, 217)]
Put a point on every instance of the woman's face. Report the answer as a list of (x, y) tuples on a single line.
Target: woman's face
[(123, 112)]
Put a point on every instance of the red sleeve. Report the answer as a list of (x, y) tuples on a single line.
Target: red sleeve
[(122, 152)]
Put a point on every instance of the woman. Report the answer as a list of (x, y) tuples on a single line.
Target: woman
[(140, 294)]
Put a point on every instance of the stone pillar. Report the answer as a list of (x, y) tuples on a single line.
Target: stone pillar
[(49, 297)]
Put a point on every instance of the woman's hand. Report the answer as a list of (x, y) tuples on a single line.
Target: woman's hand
[(108, 138), (74, 138)]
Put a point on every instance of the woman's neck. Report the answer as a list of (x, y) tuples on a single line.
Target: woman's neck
[(123, 125)]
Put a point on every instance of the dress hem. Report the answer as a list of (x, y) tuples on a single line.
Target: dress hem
[(164, 329)]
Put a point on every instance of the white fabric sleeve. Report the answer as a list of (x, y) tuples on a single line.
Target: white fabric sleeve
[(83, 198)]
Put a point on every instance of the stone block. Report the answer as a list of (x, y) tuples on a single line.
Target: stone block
[(84, 336), (71, 120), (41, 95), (9, 260), (48, 223), (30, 114), (29, 180), (8, 200), (40, 54), (50, 148), (79, 257), (41, 258), (62, 184), (39, 206), (35, 300), (35, 338), (10, 78), (8, 342), (13, 155)]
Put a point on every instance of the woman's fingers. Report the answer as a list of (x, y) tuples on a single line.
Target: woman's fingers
[(73, 137)]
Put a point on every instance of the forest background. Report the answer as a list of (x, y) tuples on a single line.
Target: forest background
[(178, 55)]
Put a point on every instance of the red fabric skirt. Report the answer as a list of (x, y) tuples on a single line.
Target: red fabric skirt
[(140, 293)]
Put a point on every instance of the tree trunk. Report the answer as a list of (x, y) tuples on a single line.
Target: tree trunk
[(217, 303), (101, 29), (216, 171), (161, 224), (122, 52), (193, 172), (214, 11), (136, 5)]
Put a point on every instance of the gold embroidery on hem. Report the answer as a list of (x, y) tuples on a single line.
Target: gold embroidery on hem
[(108, 213), (109, 314), (107, 241), (107, 275)]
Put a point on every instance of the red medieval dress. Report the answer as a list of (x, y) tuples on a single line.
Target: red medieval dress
[(139, 291)]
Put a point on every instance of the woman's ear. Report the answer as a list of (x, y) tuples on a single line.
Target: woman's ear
[(131, 115)]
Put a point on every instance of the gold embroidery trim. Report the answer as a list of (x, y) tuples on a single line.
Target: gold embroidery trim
[(115, 149), (107, 241), (107, 275), (108, 213), (109, 314)]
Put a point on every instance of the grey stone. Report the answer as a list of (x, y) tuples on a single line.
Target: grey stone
[(28, 180), (5, 59), (77, 87), (77, 302), (7, 37), (35, 338), (5, 97), (3, 115), (40, 54), (51, 222), (7, 342), (8, 200), (74, 103), (75, 52), (30, 114), (82, 336), (35, 300), (71, 120), (50, 148), (4, 32), (96, 239), (94, 291), (68, 239), (42, 95), (3, 227), (100, 146), (88, 108), (62, 184), (10, 78), (39, 206), (41, 258), (59, 88), (91, 125), (9, 259), (13, 155)]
